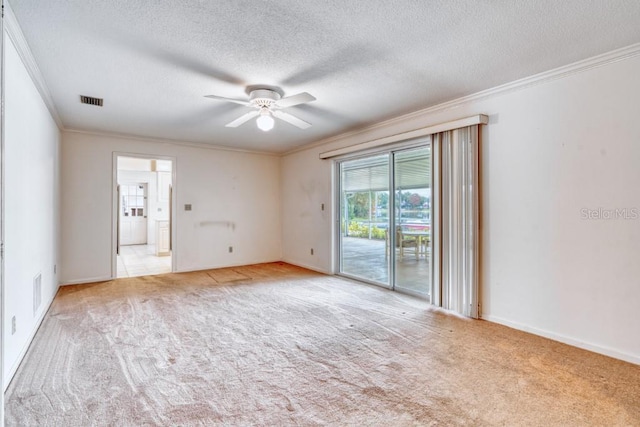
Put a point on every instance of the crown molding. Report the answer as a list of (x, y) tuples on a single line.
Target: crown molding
[(14, 32), (520, 84), (170, 142)]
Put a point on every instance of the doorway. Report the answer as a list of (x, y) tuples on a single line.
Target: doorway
[(144, 207), (385, 219)]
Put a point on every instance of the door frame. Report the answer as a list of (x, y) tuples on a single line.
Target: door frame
[(115, 203)]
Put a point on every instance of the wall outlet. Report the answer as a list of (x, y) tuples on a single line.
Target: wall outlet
[(230, 249), (13, 325), (311, 251), (187, 207)]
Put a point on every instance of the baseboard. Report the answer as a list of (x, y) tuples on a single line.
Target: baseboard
[(201, 268), (85, 281), (23, 352), (187, 270), (565, 340), (308, 267)]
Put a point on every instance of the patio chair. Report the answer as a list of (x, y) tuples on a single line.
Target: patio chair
[(402, 242), (425, 242)]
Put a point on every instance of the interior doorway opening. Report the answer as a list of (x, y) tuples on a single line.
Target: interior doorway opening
[(144, 192)]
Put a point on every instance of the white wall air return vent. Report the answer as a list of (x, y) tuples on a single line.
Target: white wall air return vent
[(91, 100)]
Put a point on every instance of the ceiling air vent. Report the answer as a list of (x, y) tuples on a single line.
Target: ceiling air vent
[(91, 101)]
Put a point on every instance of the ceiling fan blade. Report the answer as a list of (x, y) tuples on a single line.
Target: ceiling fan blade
[(292, 100), (243, 119), (222, 98), (291, 119)]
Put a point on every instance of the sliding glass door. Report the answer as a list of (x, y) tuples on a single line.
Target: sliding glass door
[(385, 235), (412, 189), (364, 219)]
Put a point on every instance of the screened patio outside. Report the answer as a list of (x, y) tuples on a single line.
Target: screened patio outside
[(366, 218)]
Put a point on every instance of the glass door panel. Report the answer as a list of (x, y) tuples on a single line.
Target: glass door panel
[(412, 220), (364, 219)]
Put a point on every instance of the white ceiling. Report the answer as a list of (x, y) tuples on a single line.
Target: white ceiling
[(365, 61)]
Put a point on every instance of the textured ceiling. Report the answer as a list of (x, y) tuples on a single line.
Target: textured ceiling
[(365, 61)]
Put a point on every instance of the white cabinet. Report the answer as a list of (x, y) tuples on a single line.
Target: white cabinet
[(163, 238)]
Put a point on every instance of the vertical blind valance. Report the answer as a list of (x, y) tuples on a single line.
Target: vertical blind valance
[(479, 119)]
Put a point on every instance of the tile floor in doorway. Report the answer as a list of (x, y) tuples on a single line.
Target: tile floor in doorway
[(141, 260)]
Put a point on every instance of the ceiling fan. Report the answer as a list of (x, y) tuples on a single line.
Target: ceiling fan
[(268, 103)]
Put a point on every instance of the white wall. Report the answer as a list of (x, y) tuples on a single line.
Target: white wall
[(306, 185), (134, 164), (31, 207), (549, 151), (235, 198)]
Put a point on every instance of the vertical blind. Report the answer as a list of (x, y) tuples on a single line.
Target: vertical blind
[(459, 220)]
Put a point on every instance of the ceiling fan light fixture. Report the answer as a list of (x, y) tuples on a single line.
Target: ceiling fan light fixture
[(267, 106), (265, 122)]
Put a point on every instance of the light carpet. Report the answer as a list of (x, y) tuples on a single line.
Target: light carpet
[(277, 345)]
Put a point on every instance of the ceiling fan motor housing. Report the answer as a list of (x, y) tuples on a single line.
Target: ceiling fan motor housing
[(263, 98), (269, 104)]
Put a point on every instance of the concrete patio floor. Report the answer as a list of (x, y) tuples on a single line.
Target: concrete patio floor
[(366, 259)]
